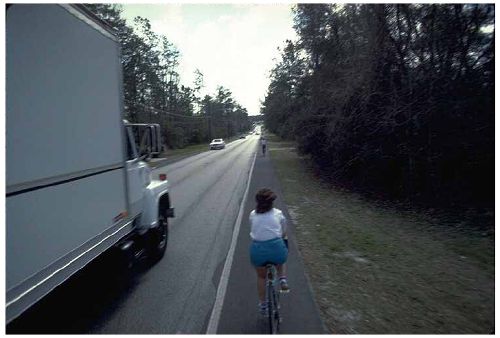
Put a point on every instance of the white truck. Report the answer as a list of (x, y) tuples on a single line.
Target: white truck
[(76, 182)]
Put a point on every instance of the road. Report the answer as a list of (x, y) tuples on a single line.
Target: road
[(177, 295)]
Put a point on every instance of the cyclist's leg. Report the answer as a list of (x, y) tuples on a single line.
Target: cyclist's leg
[(282, 277), (257, 260), (261, 283), (282, 255), (261, 290), (281, 270)]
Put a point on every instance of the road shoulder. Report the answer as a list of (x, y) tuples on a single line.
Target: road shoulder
[(239, 313)]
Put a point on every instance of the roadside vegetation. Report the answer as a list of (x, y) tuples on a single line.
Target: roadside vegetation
[(378, 267), (393, 99), (153, 91)]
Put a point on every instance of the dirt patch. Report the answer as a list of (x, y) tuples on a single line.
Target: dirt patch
[(379, 269), (351, 255), (294, 214)]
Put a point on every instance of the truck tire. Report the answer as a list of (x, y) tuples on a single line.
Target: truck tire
[(159, 239)]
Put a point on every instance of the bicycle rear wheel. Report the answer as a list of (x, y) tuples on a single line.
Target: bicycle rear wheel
[(276, 312), (273, 310), (270, 312)]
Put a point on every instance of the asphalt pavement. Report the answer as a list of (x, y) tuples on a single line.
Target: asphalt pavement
[(177, 295)]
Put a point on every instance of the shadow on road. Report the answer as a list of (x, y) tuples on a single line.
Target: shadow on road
[(83, 302)]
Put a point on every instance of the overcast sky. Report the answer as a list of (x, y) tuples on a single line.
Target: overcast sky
[(233, 45)]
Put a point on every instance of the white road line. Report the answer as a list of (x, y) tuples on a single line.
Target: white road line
[(224, 279)]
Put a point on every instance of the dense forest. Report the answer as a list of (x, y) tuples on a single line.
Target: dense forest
[(152, 89), (394, 99)]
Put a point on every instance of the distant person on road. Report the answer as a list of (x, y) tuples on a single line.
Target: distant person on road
[(263, 142), (268, 228)]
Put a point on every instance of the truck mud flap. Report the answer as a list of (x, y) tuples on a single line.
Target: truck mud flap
[(169, 212)]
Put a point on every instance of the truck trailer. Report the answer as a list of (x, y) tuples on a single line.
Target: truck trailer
[(77, 184)]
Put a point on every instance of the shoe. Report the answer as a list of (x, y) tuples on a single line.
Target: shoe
[(284, 285), (263, 308)]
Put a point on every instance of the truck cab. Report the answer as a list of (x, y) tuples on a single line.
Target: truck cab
[(149, 196)]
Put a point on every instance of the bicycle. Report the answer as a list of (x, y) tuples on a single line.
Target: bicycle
[(264, 150), (272, 299)]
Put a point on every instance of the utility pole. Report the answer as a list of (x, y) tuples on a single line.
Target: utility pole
[(209, 120)]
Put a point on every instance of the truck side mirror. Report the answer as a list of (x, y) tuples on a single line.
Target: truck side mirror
[(146, 145), (156, 139)]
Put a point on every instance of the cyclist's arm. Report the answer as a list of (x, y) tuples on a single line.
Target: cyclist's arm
[(284, 226)]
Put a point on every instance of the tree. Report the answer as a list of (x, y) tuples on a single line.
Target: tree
[(395, 99), (152, 88)]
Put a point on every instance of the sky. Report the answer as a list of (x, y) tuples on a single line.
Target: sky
[(233, 45)]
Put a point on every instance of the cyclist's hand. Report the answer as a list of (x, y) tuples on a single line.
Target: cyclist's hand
[(285, 239)]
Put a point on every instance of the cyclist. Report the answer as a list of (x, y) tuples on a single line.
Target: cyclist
[(268, 233), (263, 142)]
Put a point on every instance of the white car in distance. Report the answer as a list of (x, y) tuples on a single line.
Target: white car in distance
[(217, 143)]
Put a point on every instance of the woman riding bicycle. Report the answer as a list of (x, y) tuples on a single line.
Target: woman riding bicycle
[(268, 233)]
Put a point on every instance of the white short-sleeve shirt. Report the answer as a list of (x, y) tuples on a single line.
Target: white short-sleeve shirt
[(266, 226)]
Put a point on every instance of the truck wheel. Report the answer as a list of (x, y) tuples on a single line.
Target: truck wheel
[(159, 238)]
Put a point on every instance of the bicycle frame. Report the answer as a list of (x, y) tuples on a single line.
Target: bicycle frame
[(272, 299)]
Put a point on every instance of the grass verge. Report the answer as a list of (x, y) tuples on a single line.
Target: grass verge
[(377, 269)]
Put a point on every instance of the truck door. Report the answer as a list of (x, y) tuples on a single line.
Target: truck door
[(136, 172)]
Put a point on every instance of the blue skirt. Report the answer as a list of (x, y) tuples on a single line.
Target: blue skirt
[(272, 251)]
